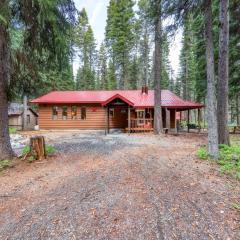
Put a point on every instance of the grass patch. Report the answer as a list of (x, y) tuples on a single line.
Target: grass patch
[(31, 159), (12, 130), (4, 164), (26, 150), (202, 153), (50, 150), (236, 206), (229, 159)]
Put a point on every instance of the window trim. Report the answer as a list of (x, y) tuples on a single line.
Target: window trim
[(111, 112), (76, 112), (81, 113), (63, 112), (28, 119), (57, 110)]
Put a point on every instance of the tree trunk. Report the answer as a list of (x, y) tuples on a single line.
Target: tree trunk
[(37, 147), (222, 106), (146, 57), (211, 89), (237, 110), (25, 107), (157, 71), (6, 151)]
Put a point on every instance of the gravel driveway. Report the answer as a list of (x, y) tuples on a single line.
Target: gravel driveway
[(119, 187)]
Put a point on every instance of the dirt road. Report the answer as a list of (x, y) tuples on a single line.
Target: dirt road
[(119, 187)]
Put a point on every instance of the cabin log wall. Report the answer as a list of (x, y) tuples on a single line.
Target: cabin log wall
[(95, 118), (173, 118)]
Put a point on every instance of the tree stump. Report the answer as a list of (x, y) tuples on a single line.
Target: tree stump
[(37, 147)]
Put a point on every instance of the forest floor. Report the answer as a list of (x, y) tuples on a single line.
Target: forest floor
[(119, 187)]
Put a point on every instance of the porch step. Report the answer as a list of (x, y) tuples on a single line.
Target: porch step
[(140, 129)]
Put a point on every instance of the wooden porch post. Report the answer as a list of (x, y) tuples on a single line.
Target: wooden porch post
[(129, 120), (106, 120), (108, 125), (199, 119), (188, 115)]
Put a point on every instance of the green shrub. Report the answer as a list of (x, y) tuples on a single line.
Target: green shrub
[(12, 130), (202, 153)]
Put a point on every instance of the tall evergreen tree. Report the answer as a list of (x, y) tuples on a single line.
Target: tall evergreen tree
[(222, 105), (119, 38), (102, 68), (156, 14), (144, 43), (85, 42), (43, 23), (211, 94)]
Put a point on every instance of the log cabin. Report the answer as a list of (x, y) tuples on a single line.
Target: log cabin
[(16, 117), (129, 110)]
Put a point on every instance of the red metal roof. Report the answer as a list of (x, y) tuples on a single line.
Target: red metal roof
[(134, 98)]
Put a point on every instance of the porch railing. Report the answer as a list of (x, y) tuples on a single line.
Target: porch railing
[(141, 124)]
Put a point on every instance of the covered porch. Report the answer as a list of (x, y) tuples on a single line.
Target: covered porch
[(131, 120), (121, 113)]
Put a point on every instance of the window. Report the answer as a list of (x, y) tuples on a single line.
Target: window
[(28, 119), (140, 117), (55, 113), (64, 112), (74, 113), (111, 112), (140, 113), (83, 113)]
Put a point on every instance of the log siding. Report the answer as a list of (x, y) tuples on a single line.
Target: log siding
[(95, 117)]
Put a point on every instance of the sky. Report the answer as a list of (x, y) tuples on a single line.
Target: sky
[(97, 14)]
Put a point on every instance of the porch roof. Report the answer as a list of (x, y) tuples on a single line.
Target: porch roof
[(135, 98)]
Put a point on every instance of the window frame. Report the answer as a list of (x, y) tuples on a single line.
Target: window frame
[(83, 111), (74, 117), (63, 107), (111, 112), (55, 117)]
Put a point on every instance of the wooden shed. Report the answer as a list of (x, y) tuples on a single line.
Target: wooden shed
[(15, 116)]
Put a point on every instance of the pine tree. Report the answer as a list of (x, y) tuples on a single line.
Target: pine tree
[(166, 67), (156, 14), (119, 37), (85, 42), (43, 38), (144, 37), (222, 104), (111, 76), (211, 93), (188, 61), (102, 68)]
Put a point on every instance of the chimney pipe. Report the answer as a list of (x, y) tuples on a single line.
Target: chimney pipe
[(144, 90)]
